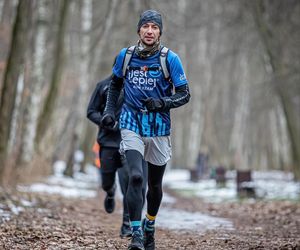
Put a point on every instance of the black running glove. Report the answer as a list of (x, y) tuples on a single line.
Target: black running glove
[(115, 128), (153, 104), (108, 121)]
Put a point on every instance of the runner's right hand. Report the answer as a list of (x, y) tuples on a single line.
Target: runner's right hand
[(108, 121), (115, 128)]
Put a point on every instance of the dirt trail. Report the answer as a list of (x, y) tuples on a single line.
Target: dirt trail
[(59, 223)]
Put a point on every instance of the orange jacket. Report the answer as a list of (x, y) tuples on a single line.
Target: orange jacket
[(96, 150)]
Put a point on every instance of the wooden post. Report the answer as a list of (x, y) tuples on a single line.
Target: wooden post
[(245, 185), (220, 176), (194, 177)]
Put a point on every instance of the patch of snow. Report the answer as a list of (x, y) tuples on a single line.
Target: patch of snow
[(4, 215), (185, 221), (81, 185), (168, 199), (13, 208), (268, 185), (78, 156), (70, 192), (277, 189), (69, 182), (58, 168), (26, 203)]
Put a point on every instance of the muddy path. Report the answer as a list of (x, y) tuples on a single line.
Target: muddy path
[(53, 222)]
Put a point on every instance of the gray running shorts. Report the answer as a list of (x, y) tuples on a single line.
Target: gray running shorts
[(156, 150)]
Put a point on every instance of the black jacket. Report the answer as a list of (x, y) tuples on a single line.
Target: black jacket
[(106, 138)]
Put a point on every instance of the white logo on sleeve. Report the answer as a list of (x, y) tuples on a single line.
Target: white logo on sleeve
[(182, 77)]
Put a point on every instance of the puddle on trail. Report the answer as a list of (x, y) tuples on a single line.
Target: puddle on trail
[(183, 221), (186, 221)]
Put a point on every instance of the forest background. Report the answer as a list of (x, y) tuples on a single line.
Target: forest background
[(242, 60)]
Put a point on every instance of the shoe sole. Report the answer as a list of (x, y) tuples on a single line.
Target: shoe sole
[(109, 210), (122, 236), (136, 248), (147, 248)]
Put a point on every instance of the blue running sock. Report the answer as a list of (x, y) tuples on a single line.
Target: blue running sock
[(136, 226), (149, 224)]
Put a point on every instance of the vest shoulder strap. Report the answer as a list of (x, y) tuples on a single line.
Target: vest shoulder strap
[(127, 58), (163, 62)]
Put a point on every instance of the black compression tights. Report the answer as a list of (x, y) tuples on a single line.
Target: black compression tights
[(154, 194), (134, 192)]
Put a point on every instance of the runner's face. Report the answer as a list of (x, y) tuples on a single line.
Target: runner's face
[(149, 34)]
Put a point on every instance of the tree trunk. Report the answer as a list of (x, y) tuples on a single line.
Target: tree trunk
[(237, 139), (69, 171), (277, 70), (13, 70), (47, 111), (99, 42), (7, 11), (85, 72), (87, 144), (32, 105)]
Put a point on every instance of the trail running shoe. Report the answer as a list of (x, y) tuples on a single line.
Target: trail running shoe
[(136, 241), (125, 230), (109, 204), (149, 241)]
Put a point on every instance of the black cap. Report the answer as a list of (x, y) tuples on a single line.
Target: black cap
[(152, 16)]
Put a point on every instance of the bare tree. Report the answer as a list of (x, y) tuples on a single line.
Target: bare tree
[(268, 18), (7, 10), (31, 106), (97, 48), (14, 68), (47, 111)]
